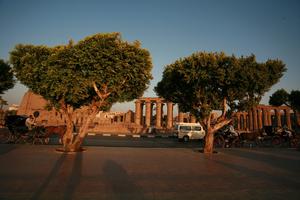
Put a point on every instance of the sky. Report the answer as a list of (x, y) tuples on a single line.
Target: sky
[(169, 29)]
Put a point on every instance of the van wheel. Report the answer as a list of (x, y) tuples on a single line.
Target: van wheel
[(186, 138)]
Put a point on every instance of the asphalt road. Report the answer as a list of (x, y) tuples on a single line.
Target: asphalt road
[(145, 142)]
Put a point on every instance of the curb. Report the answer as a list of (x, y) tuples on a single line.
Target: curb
[(132, 136)]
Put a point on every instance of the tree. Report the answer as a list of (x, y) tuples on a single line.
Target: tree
[(2, 103), (292, 100), (279, 98), (96, 72), (7, 80), (204, 82)]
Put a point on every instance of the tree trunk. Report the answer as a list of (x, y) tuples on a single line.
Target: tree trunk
[(210, 131), (209, 142), (297, 113), (76, 146), (68, 136)]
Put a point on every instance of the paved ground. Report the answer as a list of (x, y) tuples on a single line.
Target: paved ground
[(39, 172)]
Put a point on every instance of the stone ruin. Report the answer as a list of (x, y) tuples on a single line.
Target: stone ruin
[(150, 113)]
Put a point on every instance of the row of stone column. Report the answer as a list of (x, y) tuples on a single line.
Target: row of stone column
[(149, 103), (159, 103), (261, 116)]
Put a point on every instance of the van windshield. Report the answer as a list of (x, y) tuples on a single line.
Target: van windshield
[(197, 128), (185, 128)]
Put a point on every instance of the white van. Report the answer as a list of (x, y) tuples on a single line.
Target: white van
[(189, 131)]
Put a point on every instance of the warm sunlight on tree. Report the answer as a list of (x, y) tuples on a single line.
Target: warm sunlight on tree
[(204, 82), (98, 71)]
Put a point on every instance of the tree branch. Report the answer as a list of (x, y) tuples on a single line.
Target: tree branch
[(223, 116), (221, 124), (105, 93)]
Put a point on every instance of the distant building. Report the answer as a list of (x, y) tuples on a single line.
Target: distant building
[(32, 102), (13, 107)]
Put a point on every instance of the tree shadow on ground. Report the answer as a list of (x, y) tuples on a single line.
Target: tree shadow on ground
[(273, 160), (120, 184), (6, 148), (275, 179), (49, 178), (60, 171), (75, 177)]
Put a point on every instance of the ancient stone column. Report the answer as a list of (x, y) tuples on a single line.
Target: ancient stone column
[(260, 122), (193, 119), (288, 118), (250, 120), (255, 124), (269, 118), (265, 115), (148, 113), (278, 117), (169, 115), (138, 112), (142, 113), (238, 119), (158, 114), (244, 121), (180, 115)]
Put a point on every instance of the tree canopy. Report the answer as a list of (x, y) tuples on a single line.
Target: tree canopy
[(204, 82), (97, 71), (69, 72), (7, 80), (201, 82), (294, 99), (281, 97)]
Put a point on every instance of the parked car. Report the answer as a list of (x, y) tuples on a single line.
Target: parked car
[(189, 131)]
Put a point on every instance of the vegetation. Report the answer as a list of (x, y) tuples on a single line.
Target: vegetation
[(282, 97), (204, 82), (96, 72), (7, 80)]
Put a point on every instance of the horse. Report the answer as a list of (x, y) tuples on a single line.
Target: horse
[(250, 136), (55, 130)]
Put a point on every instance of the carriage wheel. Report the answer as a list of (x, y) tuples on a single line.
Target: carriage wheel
[(259, 141), (294, 142), (276, 141), (236, 143), (219, 142)]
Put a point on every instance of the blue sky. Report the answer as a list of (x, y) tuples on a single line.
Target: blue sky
[(169, 29)]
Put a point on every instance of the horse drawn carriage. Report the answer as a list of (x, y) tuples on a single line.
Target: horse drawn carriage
[(269, 136), (38, 134)]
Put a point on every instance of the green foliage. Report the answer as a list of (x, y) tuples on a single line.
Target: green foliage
[(199, 83), (66, 73), (294, 99), (7, 80), (279, 98)]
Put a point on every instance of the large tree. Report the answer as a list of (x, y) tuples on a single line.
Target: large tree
[(204, 82), (292, 99), (96, 72), (280, 97), (7, 80)]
